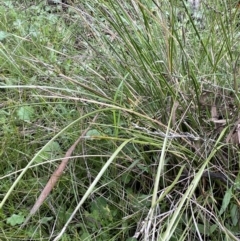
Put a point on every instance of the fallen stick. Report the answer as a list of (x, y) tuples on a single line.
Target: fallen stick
[(55, 176)]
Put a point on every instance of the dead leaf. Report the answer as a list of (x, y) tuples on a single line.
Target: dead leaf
[(55, 176)]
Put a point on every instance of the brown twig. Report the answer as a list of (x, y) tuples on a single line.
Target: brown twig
[(55, 176)]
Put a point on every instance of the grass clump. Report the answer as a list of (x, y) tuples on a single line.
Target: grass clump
[(149, 90)]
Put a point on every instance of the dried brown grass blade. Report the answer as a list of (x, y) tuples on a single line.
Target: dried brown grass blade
[(175, 107), (55, 176), (238, 134), (233, 136), (214, 113)]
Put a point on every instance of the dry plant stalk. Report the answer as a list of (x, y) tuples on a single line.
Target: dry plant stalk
[(55, 176)]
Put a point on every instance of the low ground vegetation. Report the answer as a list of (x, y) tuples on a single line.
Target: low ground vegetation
[(148, 92)]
